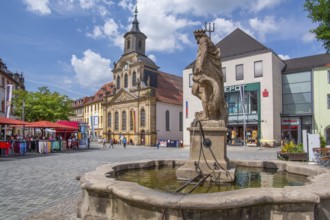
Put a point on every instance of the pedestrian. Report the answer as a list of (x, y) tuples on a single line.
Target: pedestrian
[(88, 142), (104, 145), (124, 142), (111, 143), (157, 143)]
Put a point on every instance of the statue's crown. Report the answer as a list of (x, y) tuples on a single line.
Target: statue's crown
[(199, 32)]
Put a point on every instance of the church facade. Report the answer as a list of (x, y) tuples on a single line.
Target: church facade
[(146, 104)]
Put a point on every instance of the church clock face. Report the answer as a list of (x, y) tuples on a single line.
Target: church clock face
[(126, 67)]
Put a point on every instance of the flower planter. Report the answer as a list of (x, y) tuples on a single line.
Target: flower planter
[(292, 156)]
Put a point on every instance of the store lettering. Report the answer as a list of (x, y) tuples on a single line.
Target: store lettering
[(232, 88)]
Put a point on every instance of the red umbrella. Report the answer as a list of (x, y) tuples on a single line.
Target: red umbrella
[(48, 124), (10, 121)]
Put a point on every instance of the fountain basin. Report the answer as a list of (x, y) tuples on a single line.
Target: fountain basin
[(109, 198)]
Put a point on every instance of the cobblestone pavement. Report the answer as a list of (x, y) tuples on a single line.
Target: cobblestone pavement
[(45, 186)]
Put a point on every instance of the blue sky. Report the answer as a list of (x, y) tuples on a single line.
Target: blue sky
[(70, 45)]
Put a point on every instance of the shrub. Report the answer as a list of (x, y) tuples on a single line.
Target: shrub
[(292, 148), (322, 141)]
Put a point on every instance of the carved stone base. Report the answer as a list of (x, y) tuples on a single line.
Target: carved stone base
[(216, 153)]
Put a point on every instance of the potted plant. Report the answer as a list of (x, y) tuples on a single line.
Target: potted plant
[(292, 152)]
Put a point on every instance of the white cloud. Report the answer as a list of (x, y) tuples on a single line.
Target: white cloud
[(152, 57), (259, 5), (264, 27), (308, 37), (91, 70), (87, 4), (110, 30), (284, 57), (40, 6)]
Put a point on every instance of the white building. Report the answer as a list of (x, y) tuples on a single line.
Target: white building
[(248, 63)]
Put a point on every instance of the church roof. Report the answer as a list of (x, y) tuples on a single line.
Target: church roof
[(306, 63), (169, 88), (238, 44)]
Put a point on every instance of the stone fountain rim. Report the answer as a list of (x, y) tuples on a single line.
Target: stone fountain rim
[(317, 189)]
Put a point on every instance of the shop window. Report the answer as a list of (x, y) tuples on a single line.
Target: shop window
[(125, 81), (116, 121), (239, 72), (143, 118), (167, 120), (190, 80), (134, 79), (109, 120), (180, 121), (131, 121), (123, 121), (224, 74), (118, 82), (258, 69)]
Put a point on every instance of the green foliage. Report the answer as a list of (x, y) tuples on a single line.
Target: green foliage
[(292, 148), (42, 105), (319, 11), (322, 141)]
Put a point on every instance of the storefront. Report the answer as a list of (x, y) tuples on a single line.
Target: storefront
[(251, 96), (292, 127)]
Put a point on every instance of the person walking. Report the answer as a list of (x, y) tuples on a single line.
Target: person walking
[(157, 143), (124, 142), (111, 143), (104, 145)]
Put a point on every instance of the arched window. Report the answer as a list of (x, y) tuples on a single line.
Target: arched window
[(143, 117), (131, 121), (134, 79), (180, 121), (140, 44), (123, 121), (118, 82), (128, 43), (116, 121), (167, 120), (125, 81), (109, 120)]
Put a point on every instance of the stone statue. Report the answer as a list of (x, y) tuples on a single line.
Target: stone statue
[(208, 80)]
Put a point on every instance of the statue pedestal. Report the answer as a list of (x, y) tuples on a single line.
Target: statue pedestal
[(210, 158)]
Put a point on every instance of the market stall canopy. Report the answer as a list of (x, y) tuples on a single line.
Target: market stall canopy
[(10, 121), (48, 124)]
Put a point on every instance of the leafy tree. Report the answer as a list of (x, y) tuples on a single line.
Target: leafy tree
[(42, 105), (319, 11)]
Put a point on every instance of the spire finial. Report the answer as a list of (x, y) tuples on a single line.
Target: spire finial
[(136, 11)]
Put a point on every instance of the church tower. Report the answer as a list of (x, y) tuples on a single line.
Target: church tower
[(135, 40)]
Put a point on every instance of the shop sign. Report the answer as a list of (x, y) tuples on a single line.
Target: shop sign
[(232, 88), (290, 121), (265, 93)]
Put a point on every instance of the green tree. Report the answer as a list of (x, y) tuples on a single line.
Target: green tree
[(42, 105), (319, 11)]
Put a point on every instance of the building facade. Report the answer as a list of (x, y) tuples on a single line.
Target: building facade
[(146, 102), (93, 110), (78, 109), (8, 78), (321, 97), (251, 72), (281, 97), (304, 81)]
